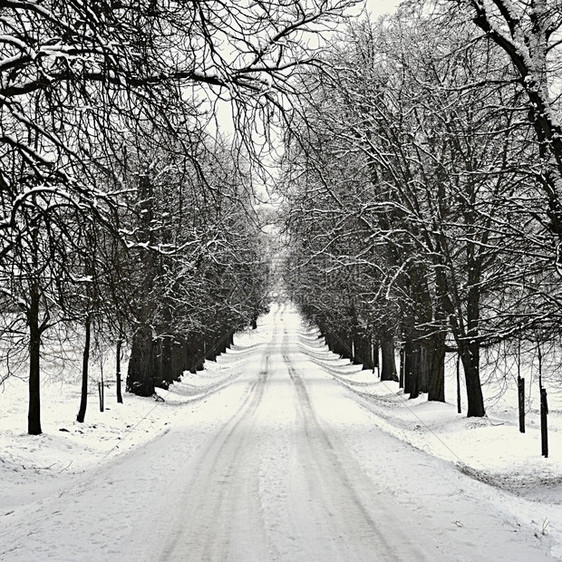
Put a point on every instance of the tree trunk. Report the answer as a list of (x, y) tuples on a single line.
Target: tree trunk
[(375, 354), (467, 342), (222, 340), (424, 366), (356, 350), (163, 371), (211, 342), (34, 411), (139, 376), (195, 353), (339, 344), (470, 347), (166, 375), (363, 351), (345, 345), (85, 365), (388, 371), (412, 368), (436, 390), (177, 359), (189, 353), (470, 357), (155, 367), (230, 338)]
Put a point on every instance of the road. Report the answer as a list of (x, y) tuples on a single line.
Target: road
[(282, 464)]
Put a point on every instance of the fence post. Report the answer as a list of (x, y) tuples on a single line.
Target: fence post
[(521, 393), (402, 366), (520, 389), (544, 414)]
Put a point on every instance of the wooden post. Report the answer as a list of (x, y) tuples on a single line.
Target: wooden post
[(101, 388), (521, 392), (544, 414), (402, 366), (520, 389), (376, 358), (118, 371)]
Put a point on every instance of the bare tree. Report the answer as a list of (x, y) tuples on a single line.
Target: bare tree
[(82, 82), (428, 149), (529, 34)]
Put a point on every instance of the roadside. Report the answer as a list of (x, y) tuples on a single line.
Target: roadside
[(37, 467), (490, 449), (272, 459)]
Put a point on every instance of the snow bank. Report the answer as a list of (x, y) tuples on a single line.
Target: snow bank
[(34, 467), (491, 449)]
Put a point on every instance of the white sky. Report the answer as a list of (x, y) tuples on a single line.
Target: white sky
[(375, 7), (381, 7)]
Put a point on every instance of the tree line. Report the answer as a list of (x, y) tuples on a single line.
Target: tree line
[(422, 183), (123, 208)]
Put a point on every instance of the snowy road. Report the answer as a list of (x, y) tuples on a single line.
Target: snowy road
[(284, 464)]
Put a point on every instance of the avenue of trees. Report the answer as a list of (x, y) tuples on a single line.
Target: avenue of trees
[(422, 181), (123, 210), (422, 177)]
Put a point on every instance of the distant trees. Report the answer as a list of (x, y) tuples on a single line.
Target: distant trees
[(195, 292), (421, 159), (92, 94)]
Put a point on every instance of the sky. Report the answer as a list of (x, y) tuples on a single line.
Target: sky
[(381, 7), (375, 7)]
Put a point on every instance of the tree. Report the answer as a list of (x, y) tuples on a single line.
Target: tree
[(196, 254), (83, 82), (528, 32), (431, 143)]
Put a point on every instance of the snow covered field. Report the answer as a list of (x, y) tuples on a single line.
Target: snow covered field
[(279, 451)]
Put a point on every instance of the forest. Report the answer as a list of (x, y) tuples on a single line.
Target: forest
[(423, 191), (417, 158)]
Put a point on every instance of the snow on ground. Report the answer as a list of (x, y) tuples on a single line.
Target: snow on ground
[(33, 467), (491, 449)]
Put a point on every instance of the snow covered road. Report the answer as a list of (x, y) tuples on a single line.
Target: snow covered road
[(284, 463)]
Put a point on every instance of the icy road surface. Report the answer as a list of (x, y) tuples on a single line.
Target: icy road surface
[(282, 463)]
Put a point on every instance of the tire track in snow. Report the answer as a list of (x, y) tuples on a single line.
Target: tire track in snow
[(349, 530), (277, 468), (223, 496)]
